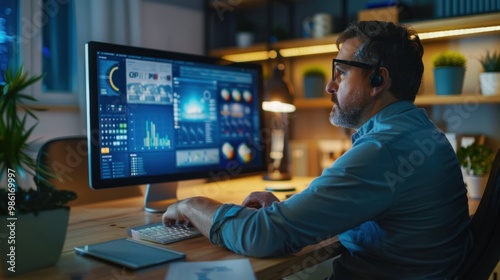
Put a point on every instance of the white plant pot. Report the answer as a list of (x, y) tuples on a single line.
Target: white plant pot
[(490, 83), (244, 39), (476, 185)]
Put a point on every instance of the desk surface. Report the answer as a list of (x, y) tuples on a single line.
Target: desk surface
[(100, 222)]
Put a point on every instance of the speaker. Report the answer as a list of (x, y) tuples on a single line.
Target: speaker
[(376, 79)]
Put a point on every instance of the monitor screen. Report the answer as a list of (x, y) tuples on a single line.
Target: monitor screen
[(156, 116)]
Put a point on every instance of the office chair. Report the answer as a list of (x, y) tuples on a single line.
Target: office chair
[(485, 227), (67, 159)]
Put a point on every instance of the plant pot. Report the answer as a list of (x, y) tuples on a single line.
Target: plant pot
[(314, 86), (449, 80), (476, 185), (244, 39), (39, 240), (490, 83)]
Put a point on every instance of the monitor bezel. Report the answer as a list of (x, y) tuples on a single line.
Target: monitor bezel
[(91, 50)]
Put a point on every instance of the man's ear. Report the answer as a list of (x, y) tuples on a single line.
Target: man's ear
[(384, 84)]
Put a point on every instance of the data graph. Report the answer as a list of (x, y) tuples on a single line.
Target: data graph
[(153, 138), (151, 132)]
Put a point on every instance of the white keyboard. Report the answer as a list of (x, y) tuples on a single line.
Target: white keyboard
[(161, 234)]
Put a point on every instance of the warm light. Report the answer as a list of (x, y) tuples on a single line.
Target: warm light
[(278, 107), (272, 54), (332, 48), (457, 32), (244, 57), (309, 50), (251, 56)]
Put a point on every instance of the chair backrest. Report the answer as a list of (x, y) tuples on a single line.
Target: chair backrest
[(485, 228), (67, 159)]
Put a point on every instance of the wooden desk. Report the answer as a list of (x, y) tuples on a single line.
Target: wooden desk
[(100, 222)]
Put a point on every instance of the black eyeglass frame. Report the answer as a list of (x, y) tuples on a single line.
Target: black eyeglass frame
[(350, 63), (353, 63)]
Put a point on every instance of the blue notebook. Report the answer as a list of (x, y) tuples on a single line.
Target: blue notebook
[(129, 253)]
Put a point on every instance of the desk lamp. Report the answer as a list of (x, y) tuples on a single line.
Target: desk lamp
[(278, 99)]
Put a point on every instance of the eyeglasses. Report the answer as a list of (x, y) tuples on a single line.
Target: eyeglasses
[(353, 63), (350, 63)]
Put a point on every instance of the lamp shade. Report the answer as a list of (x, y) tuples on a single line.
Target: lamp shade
[(278, 94)]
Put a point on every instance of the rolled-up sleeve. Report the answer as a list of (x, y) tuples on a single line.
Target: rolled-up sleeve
[(251, 232), (225, 212)]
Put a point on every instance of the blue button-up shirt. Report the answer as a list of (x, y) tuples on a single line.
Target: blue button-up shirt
[(396, 200)]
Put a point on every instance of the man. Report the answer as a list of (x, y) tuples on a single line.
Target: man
[(396, 199)]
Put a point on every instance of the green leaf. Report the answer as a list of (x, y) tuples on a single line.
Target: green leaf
[(15, 132), (490, 63)]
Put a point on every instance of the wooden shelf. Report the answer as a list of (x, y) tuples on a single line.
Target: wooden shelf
[(481, 20), (422, 100), (456, 99)]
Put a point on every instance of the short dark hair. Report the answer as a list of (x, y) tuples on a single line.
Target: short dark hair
[(398, 49)]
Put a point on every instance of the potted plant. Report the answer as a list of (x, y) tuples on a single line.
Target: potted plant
[(449, 72), (33, 221), (476, 159), (490, 78), (245, 33), (314, 82)]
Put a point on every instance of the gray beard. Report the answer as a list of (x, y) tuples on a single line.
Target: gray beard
[(346, 118)]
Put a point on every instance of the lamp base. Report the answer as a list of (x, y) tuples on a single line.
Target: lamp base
[(277, 176)]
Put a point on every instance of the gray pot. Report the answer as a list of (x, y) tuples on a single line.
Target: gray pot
[(36, 241)]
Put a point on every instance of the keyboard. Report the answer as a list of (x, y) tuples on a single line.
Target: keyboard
[(161, 234)]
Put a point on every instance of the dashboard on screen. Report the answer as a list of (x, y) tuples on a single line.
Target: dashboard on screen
[(157, 116)]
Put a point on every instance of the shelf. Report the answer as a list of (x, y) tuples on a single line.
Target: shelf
[(469, 21), (422, 100), (430, 30), (456, 99), (292, 43)]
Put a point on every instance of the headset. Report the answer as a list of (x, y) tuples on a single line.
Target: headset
[(376, 79)]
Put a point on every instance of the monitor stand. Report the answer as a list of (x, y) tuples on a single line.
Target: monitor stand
[(159, 196)]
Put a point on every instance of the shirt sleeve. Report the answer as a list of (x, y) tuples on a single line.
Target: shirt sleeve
[(347, 194)]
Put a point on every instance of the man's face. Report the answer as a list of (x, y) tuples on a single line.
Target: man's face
[(349, 89)]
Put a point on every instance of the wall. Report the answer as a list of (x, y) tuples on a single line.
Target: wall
[(166, 27), (172, 28)]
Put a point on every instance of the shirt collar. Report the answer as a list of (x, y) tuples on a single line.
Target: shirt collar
[(389, 111)]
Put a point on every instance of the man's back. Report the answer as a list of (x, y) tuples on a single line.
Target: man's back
[(424, 232)]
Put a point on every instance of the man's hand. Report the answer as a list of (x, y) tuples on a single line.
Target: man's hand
[(173, 215), (198, 211), (260, 199)]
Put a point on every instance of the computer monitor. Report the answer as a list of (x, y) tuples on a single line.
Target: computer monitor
[(157, 117)]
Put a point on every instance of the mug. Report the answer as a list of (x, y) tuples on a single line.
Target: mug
[(317, 26)]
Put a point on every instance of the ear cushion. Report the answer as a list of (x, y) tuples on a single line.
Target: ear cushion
[(376, 79)]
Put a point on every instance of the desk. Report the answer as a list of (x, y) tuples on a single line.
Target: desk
[(100, 222)]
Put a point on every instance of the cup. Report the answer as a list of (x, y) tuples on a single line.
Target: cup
[(317, 26)]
